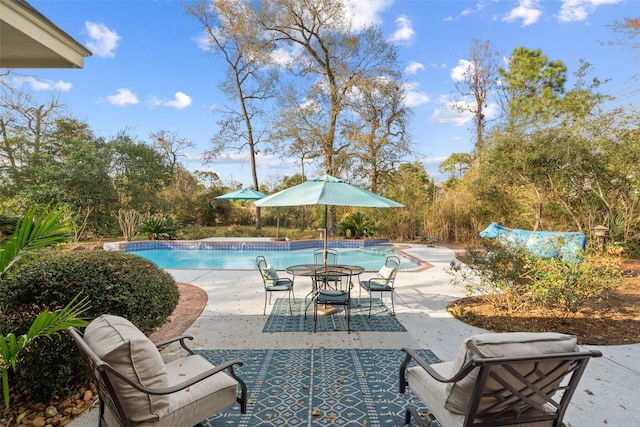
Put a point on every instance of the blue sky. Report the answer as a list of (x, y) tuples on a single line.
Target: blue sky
[(148, 71)]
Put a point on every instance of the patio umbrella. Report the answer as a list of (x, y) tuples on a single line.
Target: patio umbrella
[(328, 191), (244, 194)]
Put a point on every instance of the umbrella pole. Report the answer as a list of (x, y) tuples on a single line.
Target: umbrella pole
[(324, 254)]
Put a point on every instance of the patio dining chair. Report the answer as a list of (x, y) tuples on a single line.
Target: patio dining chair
[(327, 296), (332, 256), (137, 388), (273, 282), (383, 282), (515, 379)]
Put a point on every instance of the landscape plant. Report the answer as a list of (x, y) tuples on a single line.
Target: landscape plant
[(159, 227), (565, 288), (46, 325), (356, 226), (37, 229), (512, 280), (114, 282)]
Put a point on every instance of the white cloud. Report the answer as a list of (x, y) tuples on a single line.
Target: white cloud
[(102, 41), (529, 11), (38, 85), (203, 42), (122, 98), (460, 112), (414, 98), (462, 70), (404, 32), (579, 10), (180, 101), (413, 67), (366, 12)]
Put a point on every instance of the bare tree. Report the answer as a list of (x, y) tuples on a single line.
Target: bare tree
[(331, 54), (477, 81), (379, 128), (233, 33), (25, 123)]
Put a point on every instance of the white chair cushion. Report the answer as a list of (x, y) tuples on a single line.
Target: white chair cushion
[(123, 346), (385, 272), (432, 393), (510, 344), (201, 400)]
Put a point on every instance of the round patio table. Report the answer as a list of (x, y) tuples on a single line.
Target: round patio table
[(310, 270)]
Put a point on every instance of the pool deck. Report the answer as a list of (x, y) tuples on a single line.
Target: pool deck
[(232, 319)]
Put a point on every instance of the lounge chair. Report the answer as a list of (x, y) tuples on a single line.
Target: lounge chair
[(498, 379), (137, 388)]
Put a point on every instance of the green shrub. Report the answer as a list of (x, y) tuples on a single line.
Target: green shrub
[(495, 272), (510, 279), (565, 288), (114, 282), (356, 226), (159, 228)]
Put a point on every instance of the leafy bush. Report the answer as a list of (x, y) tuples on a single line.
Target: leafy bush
[(510, 279), (495, 272), (565, 288), (114, 282), (356, 226), (159, 228)]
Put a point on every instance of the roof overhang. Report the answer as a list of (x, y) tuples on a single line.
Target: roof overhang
[(28, 39)]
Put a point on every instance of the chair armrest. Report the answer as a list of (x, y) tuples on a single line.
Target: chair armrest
[(412, 355), (172, 340), (188, 383), (379, 281), (474, 363)]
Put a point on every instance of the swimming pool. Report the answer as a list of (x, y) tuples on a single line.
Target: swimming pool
[(243, 257)]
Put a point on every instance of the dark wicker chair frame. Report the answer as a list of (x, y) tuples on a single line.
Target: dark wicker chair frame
[(100, 369), (521, 400)]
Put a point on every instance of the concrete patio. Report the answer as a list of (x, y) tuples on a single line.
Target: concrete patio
[(232, 319)]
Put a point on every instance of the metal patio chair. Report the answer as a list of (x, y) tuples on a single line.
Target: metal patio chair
[(383, 282), (273, 282), (327, 296), (136, 387), (498, 379)]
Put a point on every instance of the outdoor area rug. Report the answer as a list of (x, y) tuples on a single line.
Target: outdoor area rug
[(381, 320), (348, 387)]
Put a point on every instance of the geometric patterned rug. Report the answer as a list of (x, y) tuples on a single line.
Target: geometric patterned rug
[(349, 387), (381, 320)]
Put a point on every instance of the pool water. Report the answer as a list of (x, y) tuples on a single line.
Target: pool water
[(246, 259)]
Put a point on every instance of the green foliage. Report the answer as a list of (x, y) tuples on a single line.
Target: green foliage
[(114, 282), (47, 324), (38, 228), (565, 288), (495, 272), (511, 280), (356, 226), (159, 227)]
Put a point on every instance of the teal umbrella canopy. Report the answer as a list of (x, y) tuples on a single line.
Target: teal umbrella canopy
[(244, 194), (328, 191)]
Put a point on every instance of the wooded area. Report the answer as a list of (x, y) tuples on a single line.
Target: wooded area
[(554, 157)]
